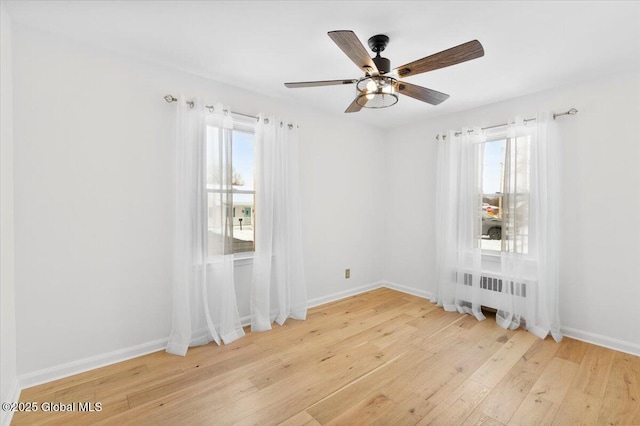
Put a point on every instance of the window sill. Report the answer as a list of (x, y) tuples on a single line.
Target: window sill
[(243, 259), (496, 256), (491, 255), (239, 259)]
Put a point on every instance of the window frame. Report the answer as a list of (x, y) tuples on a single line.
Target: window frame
[(244, 257), (488, 254)]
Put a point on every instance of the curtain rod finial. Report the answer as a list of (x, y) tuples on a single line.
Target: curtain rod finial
[(572, 111)]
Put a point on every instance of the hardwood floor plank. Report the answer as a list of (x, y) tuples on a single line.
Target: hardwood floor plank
[(364, 412), (434, 321), (478, 418), (555, 380), (301, 419), (583, 401), (381, 358), (37, 392), (543, 400), (287, 397), (458, 405), (420, 307), (185, 380), (491, 341), (534, 411), (621, 401), (407, 411), (578, 408), (518, 382), (572, 350), (492, 371), (342, 400)]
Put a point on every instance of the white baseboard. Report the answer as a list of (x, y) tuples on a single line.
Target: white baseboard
[(80, 366), (600, 340), (409, 290), (14, 396), (245, 320), (317, 301)]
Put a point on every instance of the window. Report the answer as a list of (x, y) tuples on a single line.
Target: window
[(505, 194), (230, 192)]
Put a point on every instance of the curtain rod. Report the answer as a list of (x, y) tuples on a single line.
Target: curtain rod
[(171, 98), (572, 111)]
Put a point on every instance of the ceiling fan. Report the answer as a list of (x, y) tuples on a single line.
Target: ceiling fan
[(380, 85)]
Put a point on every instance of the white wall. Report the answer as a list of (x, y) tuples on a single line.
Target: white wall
[(8, 378), (93, 204), (600, 265)]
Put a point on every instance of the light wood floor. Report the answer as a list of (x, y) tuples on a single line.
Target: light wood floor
[(382, 357)]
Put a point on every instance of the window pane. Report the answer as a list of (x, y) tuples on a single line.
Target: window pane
[(219, 240), (493, 167), (516, 195), (491, 222), (493, 161), (218, 147), (242, 159), (243, 221), (243, 217)]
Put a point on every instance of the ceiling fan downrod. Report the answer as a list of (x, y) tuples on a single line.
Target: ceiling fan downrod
[(378, 43)]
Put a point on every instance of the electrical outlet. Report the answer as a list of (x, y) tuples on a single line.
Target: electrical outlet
[(347, 273)]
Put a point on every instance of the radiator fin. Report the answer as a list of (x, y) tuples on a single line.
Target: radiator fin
[(495, 284)]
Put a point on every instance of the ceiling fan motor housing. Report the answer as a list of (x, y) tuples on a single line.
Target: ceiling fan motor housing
[(383, 64), (378, 43)]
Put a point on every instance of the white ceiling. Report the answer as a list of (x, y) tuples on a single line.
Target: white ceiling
[(529, 46)]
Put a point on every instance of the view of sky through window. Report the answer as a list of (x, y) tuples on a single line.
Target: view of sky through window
[(492, 166), (243, 157)]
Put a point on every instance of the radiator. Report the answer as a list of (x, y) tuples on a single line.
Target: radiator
[(494, 283)]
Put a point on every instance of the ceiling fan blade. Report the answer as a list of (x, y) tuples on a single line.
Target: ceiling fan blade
[(355, 106), (462, 53), (319, 83), (423, 94), (351, 46)]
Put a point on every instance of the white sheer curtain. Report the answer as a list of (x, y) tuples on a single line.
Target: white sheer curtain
[(204, 300), (525, 280), (278, 289), (458, 197), (529, 260)]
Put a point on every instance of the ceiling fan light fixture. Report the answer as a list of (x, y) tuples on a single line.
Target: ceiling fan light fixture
[(376, 92)]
